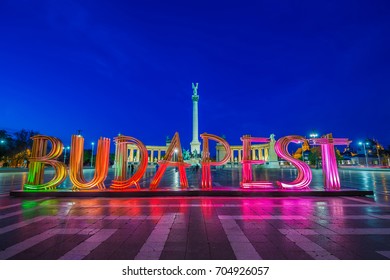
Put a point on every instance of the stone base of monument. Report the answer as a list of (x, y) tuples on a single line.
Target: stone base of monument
[(271, 164), (193, 161)]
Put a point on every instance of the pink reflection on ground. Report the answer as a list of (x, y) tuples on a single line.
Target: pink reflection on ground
[(207, 207)]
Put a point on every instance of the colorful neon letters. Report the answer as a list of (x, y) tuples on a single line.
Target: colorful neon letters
[(173, 157)]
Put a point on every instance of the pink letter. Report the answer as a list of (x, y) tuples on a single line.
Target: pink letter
[(304, 173), (247, 162), (329, 162)]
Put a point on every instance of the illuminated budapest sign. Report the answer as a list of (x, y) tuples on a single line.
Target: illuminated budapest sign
[(40, 157)]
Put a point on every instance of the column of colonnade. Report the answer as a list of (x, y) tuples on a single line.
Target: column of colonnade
[(133, 153), (153, 151), (258, 153)]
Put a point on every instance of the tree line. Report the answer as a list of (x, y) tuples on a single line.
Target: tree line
[(15, 148)]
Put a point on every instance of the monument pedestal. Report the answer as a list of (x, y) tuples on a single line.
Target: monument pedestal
[(272, 164), (272, 156)]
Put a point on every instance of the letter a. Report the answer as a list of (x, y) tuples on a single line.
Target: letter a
[(174, 150)]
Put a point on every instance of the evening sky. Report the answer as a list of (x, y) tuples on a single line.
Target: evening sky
[(109, 67)]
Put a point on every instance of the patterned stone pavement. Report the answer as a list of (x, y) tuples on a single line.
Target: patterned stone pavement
[(194, 228)]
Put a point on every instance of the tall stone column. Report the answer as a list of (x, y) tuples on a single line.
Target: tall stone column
[(131, 155), (195, 144)]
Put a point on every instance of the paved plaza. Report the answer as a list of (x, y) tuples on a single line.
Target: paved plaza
[(187, 228)]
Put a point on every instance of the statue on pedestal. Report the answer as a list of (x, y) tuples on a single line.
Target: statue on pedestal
[(272, 161), (195, 88), (186, 154)]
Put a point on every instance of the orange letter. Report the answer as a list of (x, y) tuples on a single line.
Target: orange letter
[(120, 181), (173, 149), (38, 160), (206, 162), (76, 163)]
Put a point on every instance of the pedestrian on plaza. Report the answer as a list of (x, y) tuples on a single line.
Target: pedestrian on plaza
[(132, 168)]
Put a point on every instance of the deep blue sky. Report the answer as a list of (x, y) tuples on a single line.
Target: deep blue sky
[(282, 67)]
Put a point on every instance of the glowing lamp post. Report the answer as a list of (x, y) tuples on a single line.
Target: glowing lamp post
[(311, 135), (175, 155), (65, 148), (365, 152), (2, 142), (93, 145)]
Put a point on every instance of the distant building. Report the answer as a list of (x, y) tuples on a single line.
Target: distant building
[(259, 151)]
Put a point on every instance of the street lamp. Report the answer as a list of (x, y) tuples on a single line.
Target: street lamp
[(65, 148), (313, 135), (175, 155), (2, 142), (365, 152), (93, 145), (377, 153)]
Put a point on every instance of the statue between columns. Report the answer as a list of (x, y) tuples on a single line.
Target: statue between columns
[(195, 88)]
